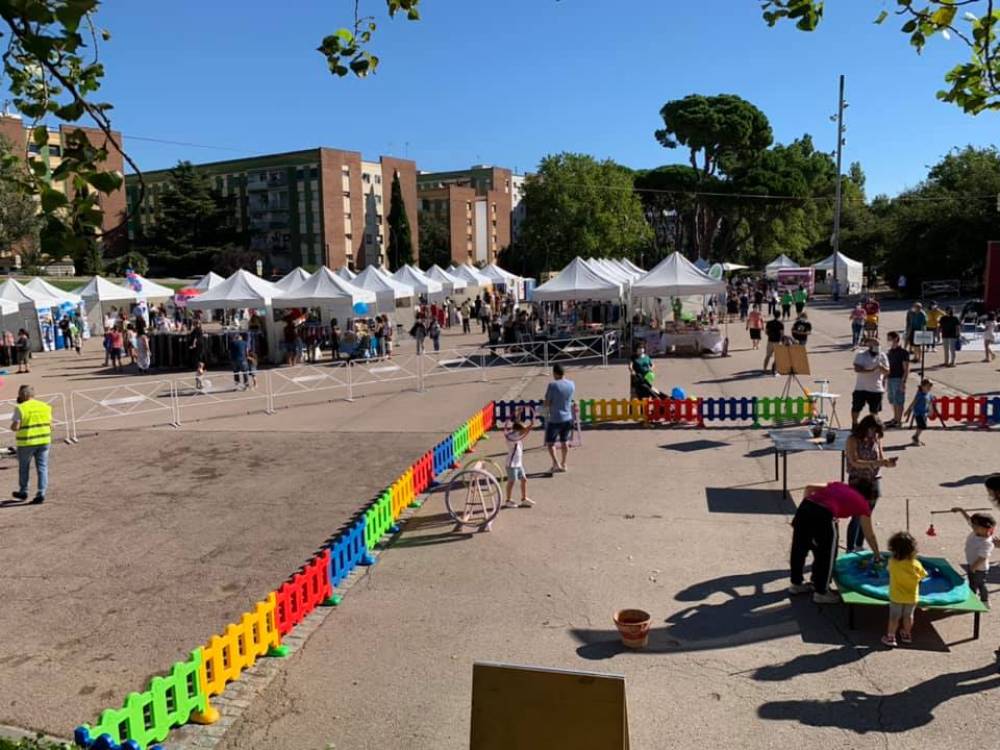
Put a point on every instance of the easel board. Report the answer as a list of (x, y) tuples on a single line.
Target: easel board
[(923, 338), (533, 708), (791, 359)]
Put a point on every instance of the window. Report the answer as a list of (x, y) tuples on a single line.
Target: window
[(468, 206), (368, 239), (378, 218), (346, 171), (366, 178), (347, 236), (378, 179), (347, 193), (378, 198), (426, 204), (347, 215), (468, 222), (34, 148), (55, 150)]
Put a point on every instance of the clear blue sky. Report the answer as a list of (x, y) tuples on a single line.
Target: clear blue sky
[(505, 83)]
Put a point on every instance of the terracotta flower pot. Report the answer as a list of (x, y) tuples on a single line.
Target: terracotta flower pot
[(633, 626)]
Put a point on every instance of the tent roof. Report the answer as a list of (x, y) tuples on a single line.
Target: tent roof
[(8, 307), (102, 290), (346, 273), (733, 267), (629, 264), (208, 281), (782, 261), (242, 289), (14, 291), (439, 274), (627, 270), (292, 279), (376, 280), (418, 280), (150, 288), (827, 263), (676, 276), (609, 271), (46, 289), (471, 274), (578, 281), (324, 286)]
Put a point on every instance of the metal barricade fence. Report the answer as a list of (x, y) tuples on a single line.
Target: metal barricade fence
[(60, 416), (399, 368), (523, 354), (577, 348), (213, 391), (142, 404), (451, 362), (289, 382)]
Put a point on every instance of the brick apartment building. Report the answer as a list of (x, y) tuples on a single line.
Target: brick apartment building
[(13, 129), (478, 205), (320, 206)]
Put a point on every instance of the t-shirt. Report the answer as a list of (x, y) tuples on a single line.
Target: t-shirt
[(842, 500), (642, 364), (976, 547), (801, 330), (755, 319), (916, 320), (870, 381), (934, 318), (237, 350), (949, 326), (559, 398), (904, 580), (117, 340), (800, 296), (775, 330), (786, 298), (898, 357), (515, 450), (922, 404), (872, 307)]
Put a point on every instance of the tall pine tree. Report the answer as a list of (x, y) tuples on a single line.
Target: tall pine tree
[(400, 236)]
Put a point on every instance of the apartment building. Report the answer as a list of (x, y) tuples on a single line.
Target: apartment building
[(476, 205), (319, 206), (13, 129)]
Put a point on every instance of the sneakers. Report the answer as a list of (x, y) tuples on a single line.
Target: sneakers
[(905, 638), (510, 504), (527, 502), (889, 640), (800, 588), (827, 597), (37, 500), (20, 495), (557, 469)]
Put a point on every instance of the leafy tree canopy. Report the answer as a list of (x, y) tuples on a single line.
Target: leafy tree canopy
[(400, 235)]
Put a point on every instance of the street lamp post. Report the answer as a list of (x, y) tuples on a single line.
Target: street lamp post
[(840, 180)]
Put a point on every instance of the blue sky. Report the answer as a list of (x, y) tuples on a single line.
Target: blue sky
[(506, 82)]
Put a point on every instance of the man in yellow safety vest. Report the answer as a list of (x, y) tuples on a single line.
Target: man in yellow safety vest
[(32, 424)]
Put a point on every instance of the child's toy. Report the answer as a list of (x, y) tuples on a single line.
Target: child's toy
[(944, 586)]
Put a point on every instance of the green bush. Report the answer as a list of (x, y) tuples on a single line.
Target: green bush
[(28, 743)]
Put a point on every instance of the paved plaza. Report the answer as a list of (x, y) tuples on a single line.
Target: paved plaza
[(155, 538)]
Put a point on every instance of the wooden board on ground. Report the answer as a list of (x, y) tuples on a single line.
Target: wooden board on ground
[(532, 708)]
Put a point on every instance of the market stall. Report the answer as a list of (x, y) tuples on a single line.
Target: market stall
[(421, 283), (245, 291), (849, 272), (208, 281), (292, 279), (335, 297), (34, 312), (388, 292), (69, 303), (345, 273), (99, 296), (471, 275), (677, 278), (782, 261), (452, 284), (578, 300)]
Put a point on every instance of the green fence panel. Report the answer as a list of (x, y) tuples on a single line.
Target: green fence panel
[(378, 519)]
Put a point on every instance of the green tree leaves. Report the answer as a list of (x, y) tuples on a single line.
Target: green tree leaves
[(346, 50)]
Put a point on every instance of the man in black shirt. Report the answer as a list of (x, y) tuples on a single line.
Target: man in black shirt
[(949, 326), (899, 369), (775, 331), (801, 329)]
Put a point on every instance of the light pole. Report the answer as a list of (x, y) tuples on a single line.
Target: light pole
[(840, 180)]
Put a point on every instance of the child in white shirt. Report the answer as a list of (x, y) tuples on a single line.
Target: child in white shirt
[(978, 548), (515, 464)]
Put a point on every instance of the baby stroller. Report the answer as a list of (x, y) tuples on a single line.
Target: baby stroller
[(642, 387)]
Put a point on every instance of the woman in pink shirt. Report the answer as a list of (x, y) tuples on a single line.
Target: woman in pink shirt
[(755, 324), (815, 529)]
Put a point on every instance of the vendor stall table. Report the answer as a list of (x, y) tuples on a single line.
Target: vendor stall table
[(801, 440)]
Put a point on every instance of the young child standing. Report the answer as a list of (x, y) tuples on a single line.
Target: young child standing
[(922, 407), (905, 574), (989, 337), (515, 464), (978, 548), (201, 383)]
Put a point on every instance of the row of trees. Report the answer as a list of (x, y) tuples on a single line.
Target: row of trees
[(743, 198)]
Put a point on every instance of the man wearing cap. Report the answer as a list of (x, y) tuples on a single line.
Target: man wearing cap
[(32, 425)]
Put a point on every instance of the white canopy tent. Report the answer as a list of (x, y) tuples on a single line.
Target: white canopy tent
[(609, 271), (149, 289), (850, 273), (46, 289), (346, 273), (98, 292), (676, 276), (578, 281), (244, 290), (627, 270), (208, 281), (727, 267), (420, 282), (385, 288), (450, 283), (26, 307), (629, 264), (292, 279), (471, 274), (782, 261), (327, 291)]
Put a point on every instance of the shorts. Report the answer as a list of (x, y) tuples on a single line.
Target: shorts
[(800, 306), (897, 392), (755, 334), (22, 356), (116, 352), (515, 472), (901, 611), (557, 432), (873, 399), (921, 421)]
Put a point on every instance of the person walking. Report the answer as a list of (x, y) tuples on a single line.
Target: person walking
[(989, 337), (419, 333), (871, 366), (950, 326), (799, 297), (32, 425), (899, 371), (558, 416), (857, 324), (23, 347), (775, 331), (434, 331), (801, 329), (464, 312), (238, 359), (755, 324), (786, 305)]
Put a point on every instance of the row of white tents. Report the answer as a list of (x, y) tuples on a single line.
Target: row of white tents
[(850, 273)]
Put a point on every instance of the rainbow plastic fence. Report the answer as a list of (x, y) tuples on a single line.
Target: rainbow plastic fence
[(182, 696)]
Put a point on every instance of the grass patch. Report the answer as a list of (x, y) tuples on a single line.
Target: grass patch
[(30, 743)]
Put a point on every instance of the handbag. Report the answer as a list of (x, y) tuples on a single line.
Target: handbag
[(958, 344)]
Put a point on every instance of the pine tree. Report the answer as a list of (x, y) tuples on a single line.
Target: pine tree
[(400, 237)]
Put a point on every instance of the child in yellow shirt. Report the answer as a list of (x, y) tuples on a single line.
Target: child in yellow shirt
[(905, 574)]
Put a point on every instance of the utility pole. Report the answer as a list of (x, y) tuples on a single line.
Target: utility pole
[(840, 178)]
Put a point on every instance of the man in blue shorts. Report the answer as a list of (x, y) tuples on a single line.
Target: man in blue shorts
[(559, 416)]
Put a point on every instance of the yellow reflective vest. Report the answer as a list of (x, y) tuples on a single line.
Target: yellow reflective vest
[(36, 424)]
